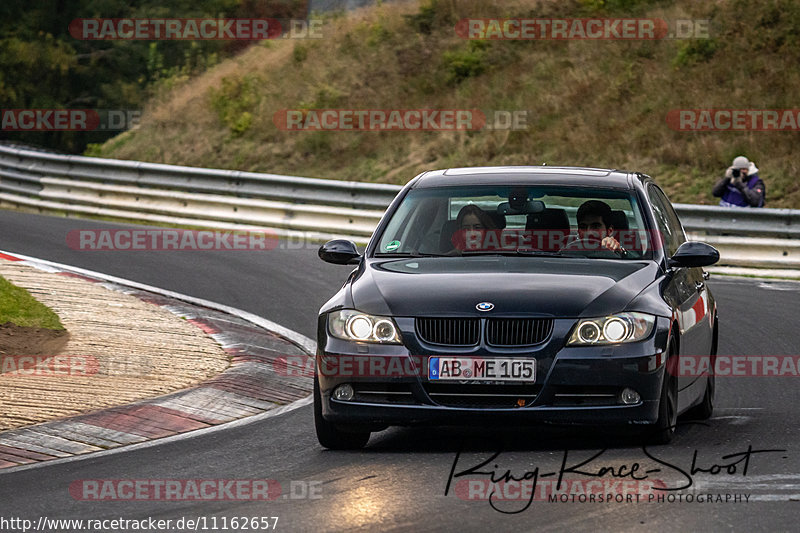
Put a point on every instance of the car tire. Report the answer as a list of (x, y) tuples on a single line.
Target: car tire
[(335, 436), (705, 408), (664, 428)]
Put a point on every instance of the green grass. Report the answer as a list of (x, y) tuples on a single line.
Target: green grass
[(19, 307)]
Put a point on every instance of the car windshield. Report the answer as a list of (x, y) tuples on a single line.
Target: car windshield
[(517, 220)]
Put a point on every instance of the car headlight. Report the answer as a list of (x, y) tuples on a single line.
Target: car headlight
[(352, 325), (614, 329)]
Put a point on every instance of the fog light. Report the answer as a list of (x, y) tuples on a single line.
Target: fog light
[(345, 392), (629, 397)]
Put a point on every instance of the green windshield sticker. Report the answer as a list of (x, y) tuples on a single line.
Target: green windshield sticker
[(392, 246)]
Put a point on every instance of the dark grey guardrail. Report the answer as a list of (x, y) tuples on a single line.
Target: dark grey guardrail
[(21, 171), (761, 222)]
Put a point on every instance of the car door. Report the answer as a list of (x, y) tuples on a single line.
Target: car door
[(699, 317), (685, 290)]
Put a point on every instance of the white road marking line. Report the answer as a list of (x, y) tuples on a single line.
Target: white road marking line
[(760, 478), (736, 420), (775, 497), (749, 486), (777, 287)]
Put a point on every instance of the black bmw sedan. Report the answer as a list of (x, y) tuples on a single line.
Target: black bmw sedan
[(517, 295)]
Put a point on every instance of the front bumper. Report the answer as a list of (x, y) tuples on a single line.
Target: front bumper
[(575, 385)]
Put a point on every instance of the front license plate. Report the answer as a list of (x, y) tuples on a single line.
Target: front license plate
[(477, 369)]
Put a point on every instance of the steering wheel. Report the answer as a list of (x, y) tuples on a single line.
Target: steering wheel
[(589, 247)]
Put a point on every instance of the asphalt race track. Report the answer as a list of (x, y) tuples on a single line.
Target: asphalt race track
[(399, 481)]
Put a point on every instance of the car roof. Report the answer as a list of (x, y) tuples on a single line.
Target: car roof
[(528, 175)]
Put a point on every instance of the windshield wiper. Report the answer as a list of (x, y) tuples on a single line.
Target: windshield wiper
[(539, 253), (527, 252)]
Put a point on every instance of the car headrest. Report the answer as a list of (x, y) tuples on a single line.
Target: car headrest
[(619, 220), (549, 219), (446, 237), (499, 220)]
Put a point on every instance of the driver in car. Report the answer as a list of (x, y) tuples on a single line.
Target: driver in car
[(594, 226)]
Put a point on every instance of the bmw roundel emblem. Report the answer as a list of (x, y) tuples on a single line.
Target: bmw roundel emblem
[(485, 306)]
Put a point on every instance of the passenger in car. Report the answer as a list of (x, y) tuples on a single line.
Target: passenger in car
[(472, 217), (470, 225)]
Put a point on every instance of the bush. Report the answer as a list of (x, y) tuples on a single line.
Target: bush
[(234, 102), (377, 34), (300, 53), (463, 64), (695, 51), (431, 15), (326, 97)]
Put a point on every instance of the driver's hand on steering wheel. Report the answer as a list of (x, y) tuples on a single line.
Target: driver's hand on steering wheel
[(610, 243)]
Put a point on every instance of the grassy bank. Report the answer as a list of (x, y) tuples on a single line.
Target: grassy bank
[(594, 103), (20, 308)]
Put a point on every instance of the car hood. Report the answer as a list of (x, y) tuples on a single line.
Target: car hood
[(558, 287)]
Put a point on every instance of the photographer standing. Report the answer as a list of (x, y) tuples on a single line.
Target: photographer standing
[(741, 186)]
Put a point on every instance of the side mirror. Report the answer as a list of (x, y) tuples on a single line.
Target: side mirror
[(694, 254), (339, 252)]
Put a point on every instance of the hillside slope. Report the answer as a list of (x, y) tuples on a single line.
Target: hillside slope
[(596, 103)]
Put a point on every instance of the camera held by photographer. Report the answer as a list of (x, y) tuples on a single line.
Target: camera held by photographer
[(741, 186)]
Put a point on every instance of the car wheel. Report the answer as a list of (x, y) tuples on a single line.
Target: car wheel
[(704, 409), (664, 429), (335, 436)]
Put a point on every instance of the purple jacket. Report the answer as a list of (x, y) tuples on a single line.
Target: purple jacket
[(752, 195)]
